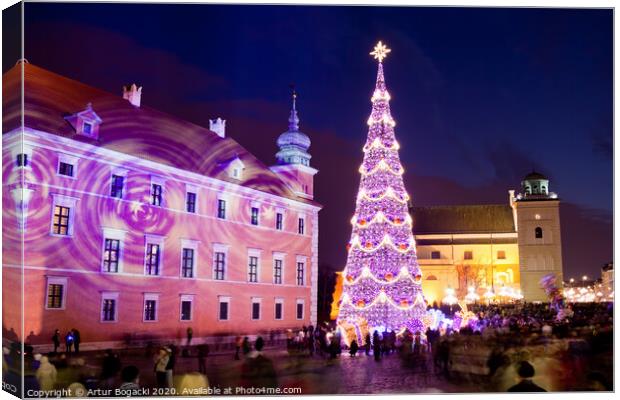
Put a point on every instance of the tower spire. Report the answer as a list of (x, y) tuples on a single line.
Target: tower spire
[(293, 120)]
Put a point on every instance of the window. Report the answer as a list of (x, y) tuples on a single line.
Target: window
[(60, 223), (186, 307), (300, 273), (117, 186), (277, 271), (187, 269), (300, 226), (435, 255), (501, 255), (190, 202), (300, 309), (538, 232), (88, 128), (63, 215), (111, 255), (219, 265), (253, 269), (431, 278), (152, 259), (255, 309), (279, 221), (468, 255), (221, 209), (65, 169), (254, 218), (150, 310), (109, 307), (22, 160), (224, 308), (278, 309), (156, 194), (56, 293)]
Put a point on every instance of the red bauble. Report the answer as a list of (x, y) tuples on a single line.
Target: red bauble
[(418, 278), (403, 246), (348, 246), (360, 303), (368, 245), (397, 220), (362, 222), (388, 276), (350, 278), (404, 303)]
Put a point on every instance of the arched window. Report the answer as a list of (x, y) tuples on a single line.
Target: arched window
[(528, 189), (544, 189), (431, 278), (538, 232)]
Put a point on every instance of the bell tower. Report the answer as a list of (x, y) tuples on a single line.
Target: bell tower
[(539, 237), (293, 159)]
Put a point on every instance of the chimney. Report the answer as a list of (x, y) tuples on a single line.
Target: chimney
[(218, 126), (132, 93)]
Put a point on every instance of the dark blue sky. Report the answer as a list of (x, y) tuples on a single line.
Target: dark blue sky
[(480, 96)]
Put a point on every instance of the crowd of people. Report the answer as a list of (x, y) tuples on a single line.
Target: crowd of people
[(506, 348)]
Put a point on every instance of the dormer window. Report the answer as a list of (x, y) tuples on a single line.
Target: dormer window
[(235, 168), (86, 122)]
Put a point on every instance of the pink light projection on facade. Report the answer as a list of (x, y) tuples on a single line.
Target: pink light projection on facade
[(382, 280), (137, 224)]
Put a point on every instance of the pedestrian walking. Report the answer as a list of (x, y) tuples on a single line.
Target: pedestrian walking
[(258, 370), (76, 340), (376, 346), (161, 361), (245, 346), (172, 350), (68, 342), (46, 374), (110, 366), (203, 352), (354, 347), (367, 344), (56, 340), (190, 335), (238, 344)]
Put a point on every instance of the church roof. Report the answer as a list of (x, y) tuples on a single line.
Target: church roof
[(492, 218), (138, 131)]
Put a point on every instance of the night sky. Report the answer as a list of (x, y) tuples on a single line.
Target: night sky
[(480, 96)]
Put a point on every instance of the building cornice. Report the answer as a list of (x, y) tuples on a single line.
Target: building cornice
[(204, 181)]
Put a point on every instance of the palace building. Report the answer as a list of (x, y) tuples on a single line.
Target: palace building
[(499, 249), (126, 223)]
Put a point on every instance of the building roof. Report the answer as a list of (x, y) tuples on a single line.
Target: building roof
[(534, 175), (493, 218), (138, 131)]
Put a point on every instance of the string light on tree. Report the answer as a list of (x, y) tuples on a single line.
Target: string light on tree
[(382, 286)]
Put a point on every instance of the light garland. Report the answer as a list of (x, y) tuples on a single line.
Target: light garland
[(383, 298), (388, 193), (385, 242), (377, 143), (381, 166), (386, 119), (381, 218), (380, 95), (367, 274)]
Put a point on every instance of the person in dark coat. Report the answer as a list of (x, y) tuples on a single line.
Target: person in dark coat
[(76, 340), (367, 344), (203, 352), (69, 342), (376, 346), (245, 346), (526, 373), (354, 348), (257, 369), (56, 340), (110, 366)]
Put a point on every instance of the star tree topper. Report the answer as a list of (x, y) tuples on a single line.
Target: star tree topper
[(380, 51)]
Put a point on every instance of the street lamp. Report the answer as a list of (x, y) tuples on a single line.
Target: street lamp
[(572, 280), (584, 278)]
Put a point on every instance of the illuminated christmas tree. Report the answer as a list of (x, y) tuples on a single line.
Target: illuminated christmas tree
[(382, 279)]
